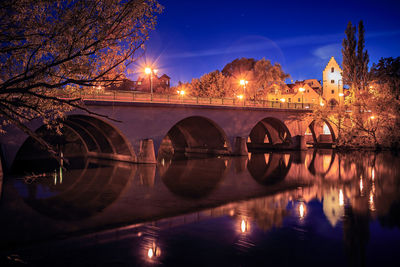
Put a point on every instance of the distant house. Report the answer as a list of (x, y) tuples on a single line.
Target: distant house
[(292, 93), (330, 92), (160, 84)]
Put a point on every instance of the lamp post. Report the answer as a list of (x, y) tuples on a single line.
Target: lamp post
[(340, 96), (181, 93), (150, 71), (244, 83), (301, 89)]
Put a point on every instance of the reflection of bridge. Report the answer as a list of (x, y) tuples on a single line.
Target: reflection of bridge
[(181, 127)]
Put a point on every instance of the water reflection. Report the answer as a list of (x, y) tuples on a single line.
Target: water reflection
[(194, 178), (85, 187), (316, 193), (269, 168)]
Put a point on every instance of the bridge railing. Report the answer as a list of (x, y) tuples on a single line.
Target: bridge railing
[(144, 97)]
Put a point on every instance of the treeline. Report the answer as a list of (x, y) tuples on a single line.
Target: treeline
[(261, 75)]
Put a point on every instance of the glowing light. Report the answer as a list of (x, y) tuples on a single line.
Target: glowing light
[(301, 89), (147, 70), (372, 117), (150, 253), (371, 202), (283, 100), (240, 96), (302, 210), (341, 197), (341, 94), (361, 185), (243, 82), (322, 104), (373, 174), (243, 226)]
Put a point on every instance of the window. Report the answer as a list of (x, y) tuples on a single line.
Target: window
[(298, 100), (333, 91), (139, 83), (308, 90), (332, 81), (289, 99), (332, 69)]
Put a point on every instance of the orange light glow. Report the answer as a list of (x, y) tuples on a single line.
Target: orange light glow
[(243, 226), (283, 100), (302, 210), (301, 89), (341, 197), (147, 70), (150, 253), (243, 82), (240, 96)]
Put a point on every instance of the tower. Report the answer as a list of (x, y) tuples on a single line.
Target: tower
[(332, 89)]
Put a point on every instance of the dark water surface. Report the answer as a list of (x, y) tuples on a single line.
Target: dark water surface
[(314, 208)]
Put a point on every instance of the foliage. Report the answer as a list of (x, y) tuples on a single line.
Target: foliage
[(52, 46), (387, 71), (355, 62), (372, 117), (261, 75)]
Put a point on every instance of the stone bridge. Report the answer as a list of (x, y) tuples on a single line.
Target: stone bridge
[(141, 132)]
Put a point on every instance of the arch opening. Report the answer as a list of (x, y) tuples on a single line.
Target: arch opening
[(269, 133), (81, 136), (194, 135), (320, 134)]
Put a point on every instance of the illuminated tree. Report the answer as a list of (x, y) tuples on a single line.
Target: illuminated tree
[(53, 46)]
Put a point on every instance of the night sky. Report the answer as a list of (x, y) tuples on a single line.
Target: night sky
[(196, 37)]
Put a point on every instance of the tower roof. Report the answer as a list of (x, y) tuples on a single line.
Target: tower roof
[(332, 63)]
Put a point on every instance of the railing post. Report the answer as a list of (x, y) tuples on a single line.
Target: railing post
[(210, 100), (133, 95), (197, 99)]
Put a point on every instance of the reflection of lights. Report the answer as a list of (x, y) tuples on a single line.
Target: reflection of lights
[(232, 212), (302, 210), (361, 185), (154, 251), (240, 96), (373, 174), (371, 202), (244, 226), (341, 197), (150, 253)]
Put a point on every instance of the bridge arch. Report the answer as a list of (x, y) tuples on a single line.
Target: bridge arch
[(81, 135), (195, 134), (320, 134), (268, 133)]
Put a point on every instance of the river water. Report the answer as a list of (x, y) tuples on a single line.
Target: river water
[(313, 208)]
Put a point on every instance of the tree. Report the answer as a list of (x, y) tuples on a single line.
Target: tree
[(261, 74), (52, 46), (212, 84), (387, 71), (355, 62)]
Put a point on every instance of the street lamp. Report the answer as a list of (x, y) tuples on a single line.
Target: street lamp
[(340, 96), (282, 101), (150, 72), (244, 83), (301, 89), (181, 93)]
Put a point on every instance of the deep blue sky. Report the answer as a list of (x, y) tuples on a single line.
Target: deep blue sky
[(196, 37)]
